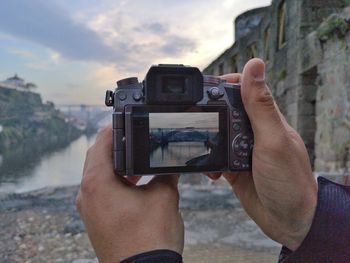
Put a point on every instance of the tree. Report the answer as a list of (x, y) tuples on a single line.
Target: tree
[(30, 86)]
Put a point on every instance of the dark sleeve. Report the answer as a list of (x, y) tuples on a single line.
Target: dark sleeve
[(156, 256), (329, 237)]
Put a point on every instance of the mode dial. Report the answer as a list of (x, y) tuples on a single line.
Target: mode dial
[(123, 83)]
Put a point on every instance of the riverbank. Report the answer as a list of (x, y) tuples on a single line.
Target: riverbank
[(44, 226)]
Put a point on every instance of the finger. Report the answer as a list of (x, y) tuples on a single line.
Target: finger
[(170, 180), (231, 177), (232, 78), (164, 190), (258, 101), (213, 176), (133, 179)]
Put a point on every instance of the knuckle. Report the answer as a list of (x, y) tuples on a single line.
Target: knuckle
[(89, 183), (102, 133), (265, 98)]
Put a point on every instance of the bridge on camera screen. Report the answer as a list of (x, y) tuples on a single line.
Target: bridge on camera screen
[(165, 136)]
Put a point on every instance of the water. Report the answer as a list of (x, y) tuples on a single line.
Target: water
[(23, 171), (177, 153)]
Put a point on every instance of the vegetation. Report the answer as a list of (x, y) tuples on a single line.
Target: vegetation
[(25, 119), (333, 25), (282, 75), (346, 3)]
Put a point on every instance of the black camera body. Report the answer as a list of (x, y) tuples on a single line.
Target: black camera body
[(179, 121)]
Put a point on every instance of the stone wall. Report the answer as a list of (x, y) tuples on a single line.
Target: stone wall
[(333, 103), (300, 70)]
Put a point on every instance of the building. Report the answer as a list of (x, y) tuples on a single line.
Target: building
[(306, 45), (17, 83)]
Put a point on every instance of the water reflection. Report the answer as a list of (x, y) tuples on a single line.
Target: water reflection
[(177, 153), (27, 168)]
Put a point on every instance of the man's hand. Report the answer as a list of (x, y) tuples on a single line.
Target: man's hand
[(280, 194), (123, 219)]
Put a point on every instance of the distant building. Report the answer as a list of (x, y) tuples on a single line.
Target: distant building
[(306, 47), (17, 83)]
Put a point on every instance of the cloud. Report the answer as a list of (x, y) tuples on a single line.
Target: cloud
[(22, 53), (154, 28), (91, 44), (108, 37), (48, 24), (176, 45)]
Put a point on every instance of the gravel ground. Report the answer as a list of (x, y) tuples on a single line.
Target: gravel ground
[(43, 226)]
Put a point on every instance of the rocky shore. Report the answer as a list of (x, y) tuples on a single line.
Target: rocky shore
[(44, 226)]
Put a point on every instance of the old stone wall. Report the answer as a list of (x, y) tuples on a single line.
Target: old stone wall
[(299, 40), (333, 102)]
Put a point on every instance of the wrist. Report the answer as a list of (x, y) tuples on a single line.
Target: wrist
[(299, 228)]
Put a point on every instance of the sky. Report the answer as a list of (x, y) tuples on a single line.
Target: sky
[(75, 50), (207, 120)]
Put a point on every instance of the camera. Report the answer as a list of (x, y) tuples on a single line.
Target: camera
[(179, 121)]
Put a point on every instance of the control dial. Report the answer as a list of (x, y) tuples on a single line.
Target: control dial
[(242, 145), (215, 93), (127, 82)]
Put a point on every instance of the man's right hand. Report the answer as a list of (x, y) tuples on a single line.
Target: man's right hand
[(280, 194)]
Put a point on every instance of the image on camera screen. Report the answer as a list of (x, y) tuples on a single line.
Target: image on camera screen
[(183, 139)]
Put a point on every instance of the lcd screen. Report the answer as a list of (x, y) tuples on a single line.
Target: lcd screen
[(183, 139), (175, 139)]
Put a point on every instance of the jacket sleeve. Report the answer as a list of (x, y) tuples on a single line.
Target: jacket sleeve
[(155, 256), (329, 237)]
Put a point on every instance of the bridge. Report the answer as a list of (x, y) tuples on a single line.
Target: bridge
[(163, 137), (90, 116)]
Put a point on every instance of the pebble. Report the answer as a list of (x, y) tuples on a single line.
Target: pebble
[(41, 248), (23, 246)]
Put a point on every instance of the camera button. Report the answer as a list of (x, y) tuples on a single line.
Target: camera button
[(236, 163), (122, 95), (236, 114), (236, 127), (137, 96), (215, 93), (245, 166)]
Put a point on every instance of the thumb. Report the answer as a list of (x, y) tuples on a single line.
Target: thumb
[(258, 101)]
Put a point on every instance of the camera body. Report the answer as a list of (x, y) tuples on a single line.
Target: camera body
[(179, 121)]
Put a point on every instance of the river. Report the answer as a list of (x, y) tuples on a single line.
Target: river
[(21, 171)]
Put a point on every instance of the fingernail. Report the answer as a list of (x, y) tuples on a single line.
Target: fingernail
[(258, 72), (260, 75)]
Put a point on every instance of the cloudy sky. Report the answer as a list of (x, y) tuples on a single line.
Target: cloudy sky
[(75, 50)]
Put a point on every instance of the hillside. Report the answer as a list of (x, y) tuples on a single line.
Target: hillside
[(26, 119)]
